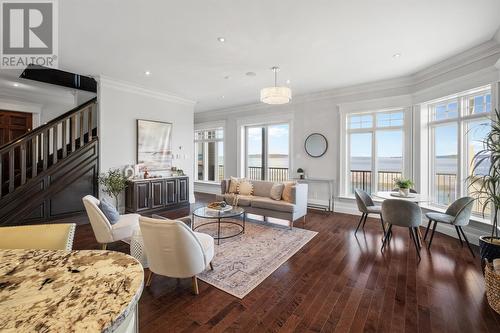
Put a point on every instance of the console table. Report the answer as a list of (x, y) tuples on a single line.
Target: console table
[(152, 194), (330, 183)]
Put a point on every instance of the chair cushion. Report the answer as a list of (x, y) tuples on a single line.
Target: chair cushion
[(207, 243), (374, 209), (109, 211), (440, 217), (268, 203), (125, 226)]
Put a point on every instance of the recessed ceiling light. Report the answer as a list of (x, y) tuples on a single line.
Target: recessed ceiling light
[(396, 55), (16, 84), (147, 73), (223, 97), (221, 39), (250, 74), (227, 77)]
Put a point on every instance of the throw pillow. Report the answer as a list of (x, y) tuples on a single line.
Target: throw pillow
[(233, 185), (109, 211), (277, 191), (287, 191), (245, 187)]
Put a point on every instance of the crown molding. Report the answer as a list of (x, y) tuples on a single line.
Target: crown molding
[(483, 56), (136, 89)]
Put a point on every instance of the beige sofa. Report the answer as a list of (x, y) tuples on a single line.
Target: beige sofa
[(260, 203)]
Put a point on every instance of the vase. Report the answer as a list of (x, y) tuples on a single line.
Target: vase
[(404, 192)]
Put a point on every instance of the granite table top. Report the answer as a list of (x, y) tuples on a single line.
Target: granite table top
[(67, 291)]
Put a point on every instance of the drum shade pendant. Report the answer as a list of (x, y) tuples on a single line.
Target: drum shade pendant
[(276, 95)]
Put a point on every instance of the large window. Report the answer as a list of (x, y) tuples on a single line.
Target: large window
[(267, 152), (209, 153), (457, 124), (375, 150)]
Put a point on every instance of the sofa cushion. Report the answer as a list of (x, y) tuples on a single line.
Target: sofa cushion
[(277, 191), (268, 203), (243, 200), (245, 187), (262, 188), (288, 194), (233, 185)]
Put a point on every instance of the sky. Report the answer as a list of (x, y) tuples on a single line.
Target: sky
[(278, 139)]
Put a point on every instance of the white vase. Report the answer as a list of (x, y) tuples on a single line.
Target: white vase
[(404, 192)]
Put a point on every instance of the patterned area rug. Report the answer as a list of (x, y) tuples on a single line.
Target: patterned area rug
[(243, 262)]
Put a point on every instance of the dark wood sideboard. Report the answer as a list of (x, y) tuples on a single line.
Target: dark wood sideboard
[(147, 195)]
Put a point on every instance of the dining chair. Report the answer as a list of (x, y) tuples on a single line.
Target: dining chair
[(366, 206), (403, 214), (41, 236), (458, 214), (174, 250), (104, 231)]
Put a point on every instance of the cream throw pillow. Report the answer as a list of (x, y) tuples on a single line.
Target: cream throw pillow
[(287, 191), (245, 187), (233, 185), (277, 191)]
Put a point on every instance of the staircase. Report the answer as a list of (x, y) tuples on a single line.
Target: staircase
[(45, 173)]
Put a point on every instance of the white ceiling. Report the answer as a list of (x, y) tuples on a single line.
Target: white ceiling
[(319, 45)]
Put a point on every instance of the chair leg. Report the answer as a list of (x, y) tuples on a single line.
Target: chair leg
[(149, 279), (359, 223), (195, 285), (304, 220), (386, 237), (432, 234), (427, 229), (414, 236), (104, 246), (467, 241), (211, 266), (459, 236), (419, 237), (382, 222), (364, 222)]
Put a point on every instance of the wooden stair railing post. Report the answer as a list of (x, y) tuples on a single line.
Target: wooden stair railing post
[(73, 132), (54, 144), (46, 145), (89, 123), (23, 163), (82, 141), (34, 157), (11, 169), (63, 139)]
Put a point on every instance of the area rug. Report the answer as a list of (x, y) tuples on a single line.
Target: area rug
[(243, 262)]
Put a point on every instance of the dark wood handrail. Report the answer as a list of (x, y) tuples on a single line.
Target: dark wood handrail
[(41, 129)]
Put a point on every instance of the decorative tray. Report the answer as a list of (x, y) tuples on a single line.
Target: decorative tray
[(220, 209)]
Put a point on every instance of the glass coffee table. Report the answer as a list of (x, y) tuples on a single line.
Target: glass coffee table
[(219, 217)]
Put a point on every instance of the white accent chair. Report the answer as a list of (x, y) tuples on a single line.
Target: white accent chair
[(174, 250), (104, 231)]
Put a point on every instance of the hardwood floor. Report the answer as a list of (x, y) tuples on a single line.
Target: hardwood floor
[(335, 283)]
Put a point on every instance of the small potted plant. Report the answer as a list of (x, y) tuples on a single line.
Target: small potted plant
[(403, 185), (300, 173), (114, 183), (486, 187)]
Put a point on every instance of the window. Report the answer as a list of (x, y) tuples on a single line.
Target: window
[(457, 125), (267, 152), (209, 152), (375, 150)]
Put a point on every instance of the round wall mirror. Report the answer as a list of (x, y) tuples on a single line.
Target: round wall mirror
[(316, 145)]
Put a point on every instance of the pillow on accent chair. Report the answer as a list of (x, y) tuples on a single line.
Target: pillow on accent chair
[(109, 211), (245, 187), (277, 191), (287, 191)]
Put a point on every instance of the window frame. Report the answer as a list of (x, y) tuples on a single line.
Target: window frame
[(462, 120), (346, 132), (205, 140)]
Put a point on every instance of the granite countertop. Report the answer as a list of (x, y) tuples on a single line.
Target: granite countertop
[(67, 291)]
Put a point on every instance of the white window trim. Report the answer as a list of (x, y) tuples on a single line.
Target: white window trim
[(207, 126), (345, 113), (461, 121)]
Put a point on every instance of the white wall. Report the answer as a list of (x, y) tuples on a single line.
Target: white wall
[(320, 113), (121, 104)]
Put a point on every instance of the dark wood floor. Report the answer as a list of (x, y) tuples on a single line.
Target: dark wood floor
[(336, 283)]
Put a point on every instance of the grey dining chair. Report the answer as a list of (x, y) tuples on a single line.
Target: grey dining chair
[(366, 206), (403, 214), (457, 214)]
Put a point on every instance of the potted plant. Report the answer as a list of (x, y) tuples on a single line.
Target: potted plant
[(114, 183), (403, 185), (486, 187), (300, 173)]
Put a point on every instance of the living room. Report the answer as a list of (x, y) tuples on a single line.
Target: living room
[(250, 166)]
